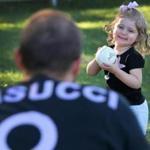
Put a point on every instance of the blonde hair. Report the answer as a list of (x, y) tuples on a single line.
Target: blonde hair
[(143, 40)]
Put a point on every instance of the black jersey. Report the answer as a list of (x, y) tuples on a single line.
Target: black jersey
[(131, 59), (44, 114)]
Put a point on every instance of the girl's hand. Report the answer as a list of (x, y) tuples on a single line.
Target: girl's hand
[(112, 68)]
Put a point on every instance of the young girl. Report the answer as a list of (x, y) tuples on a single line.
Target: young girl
[(126, 34)]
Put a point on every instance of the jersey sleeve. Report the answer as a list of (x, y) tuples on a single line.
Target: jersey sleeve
[(131, 130), (135, 60)]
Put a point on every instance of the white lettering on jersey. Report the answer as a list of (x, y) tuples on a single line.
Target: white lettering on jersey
[(64, 91), (45, 125), (15, 94), (113, 100), (95, 94), (47, 91), (61, 91)]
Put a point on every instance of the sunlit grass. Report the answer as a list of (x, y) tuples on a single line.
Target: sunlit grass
[(9, 77), (92, 25), (9, 25), (146, 10)]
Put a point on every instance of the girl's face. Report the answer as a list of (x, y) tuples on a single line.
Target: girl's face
[(125, 32)]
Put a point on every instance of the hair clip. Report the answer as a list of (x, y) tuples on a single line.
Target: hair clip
[(131, 5)]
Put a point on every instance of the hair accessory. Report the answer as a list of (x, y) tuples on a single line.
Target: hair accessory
[(131, 5)]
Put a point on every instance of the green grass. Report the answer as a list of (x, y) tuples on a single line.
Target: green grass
[(89, 19)]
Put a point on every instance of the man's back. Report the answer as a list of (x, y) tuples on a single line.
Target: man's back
[(44, 114)]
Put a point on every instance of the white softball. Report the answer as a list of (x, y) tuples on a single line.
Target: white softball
[(105, 55)]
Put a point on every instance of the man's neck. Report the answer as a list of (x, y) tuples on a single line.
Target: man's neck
[(57, 76)]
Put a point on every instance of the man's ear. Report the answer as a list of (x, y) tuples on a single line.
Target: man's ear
[(76, 67), (18, 59)]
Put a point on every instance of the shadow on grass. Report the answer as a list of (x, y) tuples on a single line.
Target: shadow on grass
[(20, 11), (86, 4), (9, 42)]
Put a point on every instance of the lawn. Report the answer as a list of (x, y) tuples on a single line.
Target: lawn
[(91, 22)]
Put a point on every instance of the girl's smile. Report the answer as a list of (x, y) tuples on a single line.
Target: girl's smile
[(125, 32)]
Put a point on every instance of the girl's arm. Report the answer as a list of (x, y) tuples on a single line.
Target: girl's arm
[(133, 79), (93, 68)]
